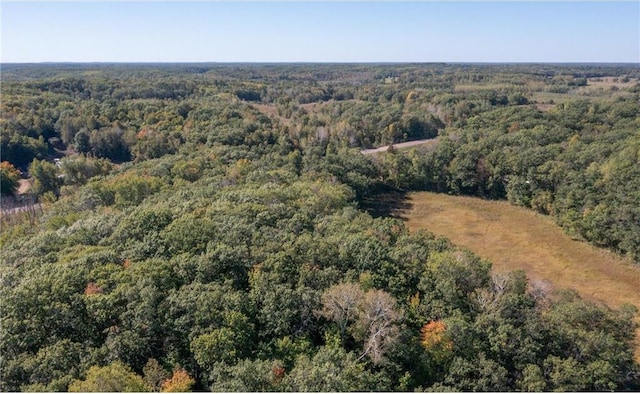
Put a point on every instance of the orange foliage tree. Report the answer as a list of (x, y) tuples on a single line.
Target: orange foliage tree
[(433, 337), (180, 382)]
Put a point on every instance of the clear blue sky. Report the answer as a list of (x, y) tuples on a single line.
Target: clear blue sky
[(356, 31)]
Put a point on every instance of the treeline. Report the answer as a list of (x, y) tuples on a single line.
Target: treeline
[(45, 108)]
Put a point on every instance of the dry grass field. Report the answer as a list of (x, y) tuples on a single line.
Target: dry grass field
[(608, 82), (515, 238), (474, 87), (271, 110), (545, 107)]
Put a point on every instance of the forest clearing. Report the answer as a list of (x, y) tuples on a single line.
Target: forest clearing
[(514, 238)]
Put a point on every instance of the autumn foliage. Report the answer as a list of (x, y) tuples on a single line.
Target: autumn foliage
[(92, 288), (180, 382), (433, 337)]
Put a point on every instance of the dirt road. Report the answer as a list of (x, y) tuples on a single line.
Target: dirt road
[(401, 145)]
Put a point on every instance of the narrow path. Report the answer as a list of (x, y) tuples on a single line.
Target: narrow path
[(401, 145), (24, 185)]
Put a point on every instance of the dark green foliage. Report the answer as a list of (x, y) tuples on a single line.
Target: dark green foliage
[(248, 95), (246, 376), (82, 142), (79, 170), (330, 369), (9, 178), (109, 143), (45, 177), (20, 150)]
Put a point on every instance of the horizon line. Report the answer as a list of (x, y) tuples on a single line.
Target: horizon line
[(314, 62)]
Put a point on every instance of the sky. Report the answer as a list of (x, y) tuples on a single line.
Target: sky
[(333, 31)]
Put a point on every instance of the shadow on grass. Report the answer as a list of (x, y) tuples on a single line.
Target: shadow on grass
[(387, 204)]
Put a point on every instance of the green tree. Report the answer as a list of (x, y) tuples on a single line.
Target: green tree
[(481, 374), (79, 170), (225, 344), (332, 369), (218, 345), (45, 176), (532, 379), (115, 377), (110, 143), (450, 278), (9, 178), (55, 366), (82, 141), (247, 376)]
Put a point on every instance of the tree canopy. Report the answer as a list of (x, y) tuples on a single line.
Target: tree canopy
[(204, 228)]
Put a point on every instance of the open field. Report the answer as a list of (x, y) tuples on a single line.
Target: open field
[(545, 107), (591, 93), (271, 110), (474, 87), (608, 82), (516, 238)]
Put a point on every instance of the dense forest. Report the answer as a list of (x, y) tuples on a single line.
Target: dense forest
[(205, 226)]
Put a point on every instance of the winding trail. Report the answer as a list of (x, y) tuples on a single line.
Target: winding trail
[(401, 145)]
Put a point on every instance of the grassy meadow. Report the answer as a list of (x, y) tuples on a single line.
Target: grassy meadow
[(515, 238)]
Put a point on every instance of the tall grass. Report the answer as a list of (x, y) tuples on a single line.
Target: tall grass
[(515, 238)]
